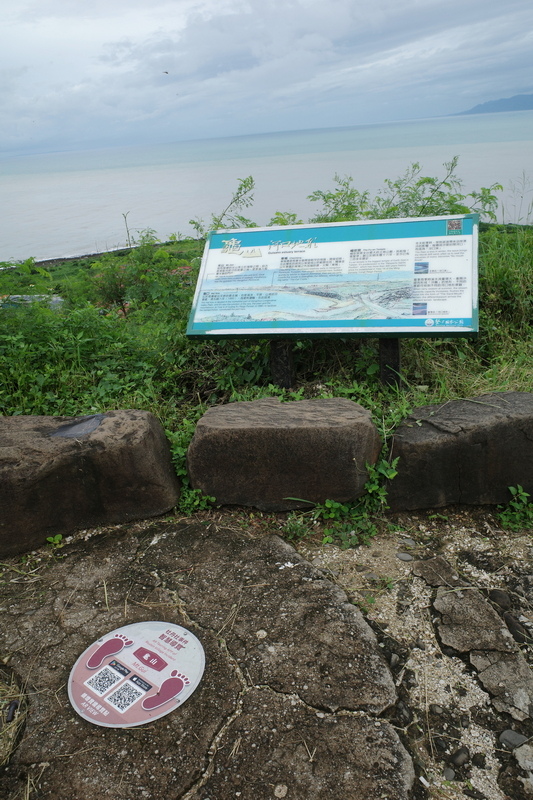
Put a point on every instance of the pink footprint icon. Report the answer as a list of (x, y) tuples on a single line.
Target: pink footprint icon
[(169, 689), (108, 648)]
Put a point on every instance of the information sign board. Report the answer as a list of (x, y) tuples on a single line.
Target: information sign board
[(136, 674), (404, 277)]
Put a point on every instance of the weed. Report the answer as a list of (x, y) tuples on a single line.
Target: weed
[(349, 524), (55, 541), (366, 604), (296, 527), (192, 500), (285, 218), (410, 195), (13, 709), (347, 534), (355, 523), (331, 509), (387, 584), (375, 487), (517, 515), (24, 277), (230, 218), (369, 598), (506, 276), (522, 205)]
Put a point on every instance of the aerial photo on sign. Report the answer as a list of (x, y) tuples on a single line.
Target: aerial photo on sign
[(372, 277)]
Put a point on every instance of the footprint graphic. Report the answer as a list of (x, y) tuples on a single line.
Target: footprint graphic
[(109, 648), (169, 689)]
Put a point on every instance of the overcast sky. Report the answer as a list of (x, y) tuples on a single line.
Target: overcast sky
[(83, 73)]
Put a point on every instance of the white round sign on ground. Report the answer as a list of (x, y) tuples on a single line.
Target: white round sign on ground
[(136, 674)]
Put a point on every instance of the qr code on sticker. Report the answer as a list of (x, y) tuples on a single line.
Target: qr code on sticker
[(455, 225), (124, 697), (103, 680)]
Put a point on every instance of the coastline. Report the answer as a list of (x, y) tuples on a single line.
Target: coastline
[(59, 208)]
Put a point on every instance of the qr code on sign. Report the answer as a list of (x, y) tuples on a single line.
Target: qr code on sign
[(124, 697), (455, 225), (103, 680)]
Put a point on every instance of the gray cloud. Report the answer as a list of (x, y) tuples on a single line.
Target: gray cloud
[(80, 73)]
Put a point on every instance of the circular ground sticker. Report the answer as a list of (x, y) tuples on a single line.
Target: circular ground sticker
[(136, 674)]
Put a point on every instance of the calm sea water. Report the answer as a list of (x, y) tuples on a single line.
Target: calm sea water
[(62, 204)]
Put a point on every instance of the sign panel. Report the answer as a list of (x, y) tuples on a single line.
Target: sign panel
[(136, 674), (405, 277)]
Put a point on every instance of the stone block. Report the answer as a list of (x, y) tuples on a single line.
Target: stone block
[(464, 451), (263, 452), (59, 474)]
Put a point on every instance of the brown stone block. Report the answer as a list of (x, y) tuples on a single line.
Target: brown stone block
[(464, 451), (59, 474), (263, 452)]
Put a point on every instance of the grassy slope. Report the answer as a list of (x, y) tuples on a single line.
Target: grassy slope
[(118, 341)]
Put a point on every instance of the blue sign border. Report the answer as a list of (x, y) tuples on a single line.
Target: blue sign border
[(366, 230)]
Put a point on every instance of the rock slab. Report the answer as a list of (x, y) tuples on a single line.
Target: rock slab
[(283, 648), (298, 755), (464, 451), (263, 453), (59, 474), (469, 624), (293, 629)]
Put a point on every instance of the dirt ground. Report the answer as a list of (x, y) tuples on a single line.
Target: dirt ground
[(443, 707), (444, 716)]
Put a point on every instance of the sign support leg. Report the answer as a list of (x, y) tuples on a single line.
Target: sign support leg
[(389, 362), (281, 363)]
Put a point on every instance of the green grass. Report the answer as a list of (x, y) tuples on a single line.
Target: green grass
[(119, 340)]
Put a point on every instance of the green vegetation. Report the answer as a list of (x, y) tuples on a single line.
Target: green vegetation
[(119, 339), (55, 541), (517, 515), (411, 195), (347, 524)]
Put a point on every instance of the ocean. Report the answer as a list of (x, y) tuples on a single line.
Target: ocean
[(56, 205)]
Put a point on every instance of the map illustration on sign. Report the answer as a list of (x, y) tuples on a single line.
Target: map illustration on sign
[(371, 277), (136, 674)]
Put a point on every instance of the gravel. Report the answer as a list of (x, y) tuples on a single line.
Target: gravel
[(462, 746)]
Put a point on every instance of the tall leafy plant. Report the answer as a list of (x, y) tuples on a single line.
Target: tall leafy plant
[(410, 195)]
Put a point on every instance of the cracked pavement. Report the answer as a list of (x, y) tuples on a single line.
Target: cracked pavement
[(470, 625), (290, 701)]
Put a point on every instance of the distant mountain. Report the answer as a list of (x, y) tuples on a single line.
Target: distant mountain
[(520, 102)]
